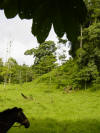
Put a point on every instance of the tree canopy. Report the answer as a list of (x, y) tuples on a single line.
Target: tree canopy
[(66, 16), (45, 57)]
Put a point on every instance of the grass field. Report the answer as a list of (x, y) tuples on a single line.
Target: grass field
[(51, 111)]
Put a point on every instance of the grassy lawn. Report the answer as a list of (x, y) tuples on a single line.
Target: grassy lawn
[(51, 111)]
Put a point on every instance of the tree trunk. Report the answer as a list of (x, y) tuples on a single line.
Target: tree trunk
[(81, 40), (85, 85)]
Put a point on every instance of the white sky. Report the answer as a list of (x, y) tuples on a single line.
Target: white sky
[(18, 32)]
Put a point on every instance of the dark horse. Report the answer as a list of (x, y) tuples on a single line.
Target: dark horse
[(10, 116)]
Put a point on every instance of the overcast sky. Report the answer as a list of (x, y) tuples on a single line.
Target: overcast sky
[(17, 32)]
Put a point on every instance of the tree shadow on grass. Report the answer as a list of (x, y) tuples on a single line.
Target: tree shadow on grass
[(53, 126)]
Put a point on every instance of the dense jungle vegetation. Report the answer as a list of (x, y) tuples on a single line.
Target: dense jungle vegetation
[(80, 71)]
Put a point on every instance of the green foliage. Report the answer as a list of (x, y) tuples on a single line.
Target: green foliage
[(92, 33), (44, 58), (94, 9), (88, 56), (82, 57), (96, 84), (46, 48), (63, 41), (11, 72), (63, 76)]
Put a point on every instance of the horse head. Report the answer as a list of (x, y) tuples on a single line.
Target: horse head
[(21, 118)]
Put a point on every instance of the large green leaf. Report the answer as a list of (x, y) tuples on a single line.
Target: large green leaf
[(65, 15), (42, 28), (26, 9), (10, 8), (42, 22)]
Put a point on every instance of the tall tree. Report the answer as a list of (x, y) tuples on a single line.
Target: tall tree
[(44, 57), (88, 57), (1, 69)]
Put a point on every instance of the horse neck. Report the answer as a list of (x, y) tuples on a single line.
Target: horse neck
[(11, 120), (6, 124)]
